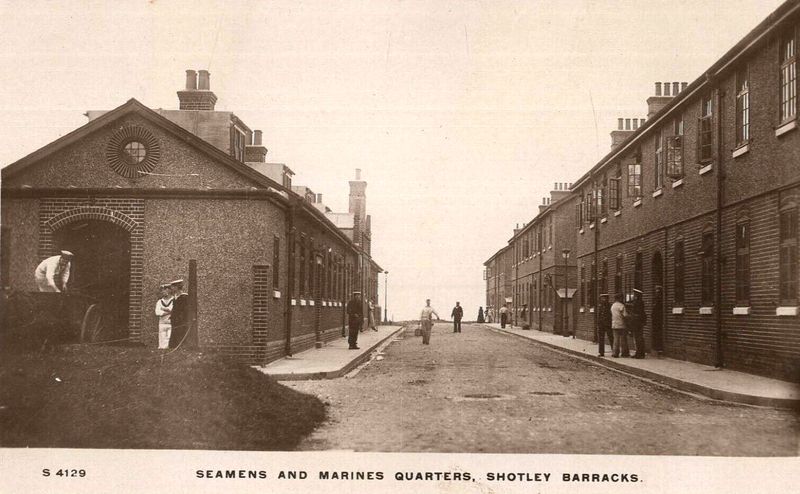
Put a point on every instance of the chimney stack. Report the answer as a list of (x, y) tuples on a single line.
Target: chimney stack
[(255, 152), (662, 98), (319, 198), (625, 127), (198, 94)]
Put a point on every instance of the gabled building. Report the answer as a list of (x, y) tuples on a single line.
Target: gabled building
[(139, 195)]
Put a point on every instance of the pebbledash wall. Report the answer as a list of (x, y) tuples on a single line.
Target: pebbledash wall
[(745, 186), (196, 203)]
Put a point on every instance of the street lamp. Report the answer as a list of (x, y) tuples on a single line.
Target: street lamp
[(565, 314), (385, 296)]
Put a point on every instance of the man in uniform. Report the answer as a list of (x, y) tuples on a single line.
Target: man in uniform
[(426, 321), (604, 325), (164, 312), (457, 314), (618, 315), (355, 319), (503, 316), (52, 274), (638, 319), (180, 314)]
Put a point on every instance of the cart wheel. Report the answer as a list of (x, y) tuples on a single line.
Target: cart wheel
[(92, 324)]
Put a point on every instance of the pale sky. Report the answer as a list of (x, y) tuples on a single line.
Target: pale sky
[(461, 114)]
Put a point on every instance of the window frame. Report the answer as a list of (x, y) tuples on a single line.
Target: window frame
[(658, 160), (742, 267), (674, 168), (743, 104), (705, 130), (787, 63), (635, 179), (707, 268), (679, 274), (788, 268)]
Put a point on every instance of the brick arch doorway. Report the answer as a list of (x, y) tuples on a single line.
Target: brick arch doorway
[(657, 311), (101, 268)]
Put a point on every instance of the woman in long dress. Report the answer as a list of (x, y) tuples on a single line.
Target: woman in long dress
[(480, 314), (164, 311)]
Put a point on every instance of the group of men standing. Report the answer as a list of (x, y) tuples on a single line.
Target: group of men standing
[(173, 315), (617, 320)]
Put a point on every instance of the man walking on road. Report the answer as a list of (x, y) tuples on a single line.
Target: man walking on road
[(355, 319), (457, 314), (604, 325), (618, 315), (503, 316), (638, 320), (426, 321)]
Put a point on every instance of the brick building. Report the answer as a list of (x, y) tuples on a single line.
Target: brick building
[(702, 199), (136, 194)]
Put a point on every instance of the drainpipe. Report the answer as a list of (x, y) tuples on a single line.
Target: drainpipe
[(290, 244), (596, 217), (719, 360), (539, 291)]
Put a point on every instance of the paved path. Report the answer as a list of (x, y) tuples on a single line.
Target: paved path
[(433, 398)]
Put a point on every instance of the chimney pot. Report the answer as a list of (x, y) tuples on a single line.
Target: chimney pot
[(666, 89), (676, 88), (683, 86), (635, 123), (358, 173), (619, 124), (257, 137), (191, 80), (204, 82), (641, 122), (627, 124), (658, 89), (319, 198)]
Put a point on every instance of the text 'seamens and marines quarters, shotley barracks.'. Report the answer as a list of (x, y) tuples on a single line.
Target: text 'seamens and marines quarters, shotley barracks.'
[(700, 199), (137, 193)]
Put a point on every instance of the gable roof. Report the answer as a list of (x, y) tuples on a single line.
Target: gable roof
[(132, 106)]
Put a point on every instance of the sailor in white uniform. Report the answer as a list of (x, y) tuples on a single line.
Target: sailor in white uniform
[(164, 311), (52, 274)]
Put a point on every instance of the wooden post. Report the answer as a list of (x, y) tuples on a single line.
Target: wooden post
[(192, 337)]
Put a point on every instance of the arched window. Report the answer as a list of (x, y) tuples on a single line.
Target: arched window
[(707, 267), (742, 232), (679, 266)]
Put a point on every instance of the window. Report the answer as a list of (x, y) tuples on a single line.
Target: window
[(301, 278), (788, 255), (743, 263), (134, 152), (707, 269), (615, 190), (589, 203), (237, 143), (602, 206), (579, 213), (618, 277), (742, 106), (276, 260), (593, 285), (675, 151), (658, 171), (635, 177), (679, 272), (638, 271), (704, 130), (788, 87)]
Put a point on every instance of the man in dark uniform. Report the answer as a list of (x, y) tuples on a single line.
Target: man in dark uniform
[(638, 320), (355, 319), (180, 314), (604, 325), (457, 314)]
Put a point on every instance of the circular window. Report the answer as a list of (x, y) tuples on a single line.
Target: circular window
[(133, 152)]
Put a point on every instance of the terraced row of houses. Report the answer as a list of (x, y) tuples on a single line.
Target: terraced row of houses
[(696, 205)]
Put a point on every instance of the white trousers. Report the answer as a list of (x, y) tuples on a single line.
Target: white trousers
[(164, 331)]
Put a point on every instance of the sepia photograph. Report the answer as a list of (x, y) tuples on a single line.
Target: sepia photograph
[(400, 246)]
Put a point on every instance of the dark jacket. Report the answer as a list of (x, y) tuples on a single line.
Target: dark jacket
[(355, 312), (179, 319), (638, 314), (458, 312), (604, 316)]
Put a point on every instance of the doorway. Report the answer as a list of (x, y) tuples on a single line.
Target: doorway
[(100, 269), (657, 316)]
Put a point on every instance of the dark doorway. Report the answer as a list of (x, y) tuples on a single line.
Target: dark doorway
[(657, 311), (100, 269)]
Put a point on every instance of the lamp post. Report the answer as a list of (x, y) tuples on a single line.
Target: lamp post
[(385, 296), (565, 314)]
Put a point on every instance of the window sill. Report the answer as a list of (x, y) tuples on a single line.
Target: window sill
[(677, 310), (310, 302), (783, 129), (741, 150), (591, 310), (706, 311), (549, 309), (677, 183), (786, 311), (658, 192), (741, 311), (580, 231), (294, 302), (324, 303), (705, 169), (591, 226), (276, 294), (302, 302), (581, 310), (549, 247), (617, 213), (637, 203), (603, 220)]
